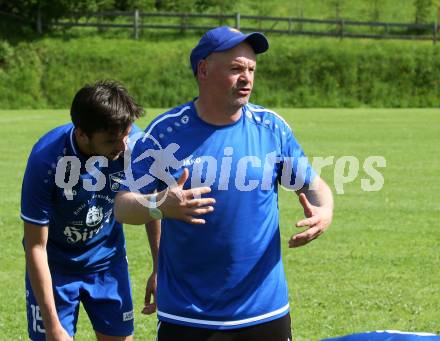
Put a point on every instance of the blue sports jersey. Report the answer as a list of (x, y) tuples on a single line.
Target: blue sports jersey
[(83, 233), (227, 273)]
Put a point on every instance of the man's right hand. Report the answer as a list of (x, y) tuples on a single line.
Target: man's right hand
[(150, 295), (185, 204)]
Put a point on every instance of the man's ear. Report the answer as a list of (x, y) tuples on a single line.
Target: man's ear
[(202, 69), (81, 136)]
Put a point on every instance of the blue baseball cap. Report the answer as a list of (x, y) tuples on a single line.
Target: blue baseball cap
[(224, 38)]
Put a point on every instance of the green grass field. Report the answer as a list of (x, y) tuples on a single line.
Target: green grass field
[(376, 268)]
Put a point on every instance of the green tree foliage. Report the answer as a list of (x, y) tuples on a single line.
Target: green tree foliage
[(194, 5), (49, 10), (337, 7), (175, 5), (264, 8), (128, 5), (38, 15), (375, 10), (422, 11), (220, 6), (294, 72)]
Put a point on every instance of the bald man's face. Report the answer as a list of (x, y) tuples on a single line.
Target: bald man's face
[(229, 75)]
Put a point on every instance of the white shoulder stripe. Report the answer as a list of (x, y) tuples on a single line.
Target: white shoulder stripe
[(71, 141), (164, 118), (41, 222), (224, 323), (131, 140), (273, 113)]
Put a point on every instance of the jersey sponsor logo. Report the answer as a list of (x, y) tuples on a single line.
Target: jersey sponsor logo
[(76, 234), (190, 161), (95, 219), (94, 216), (93, 211)]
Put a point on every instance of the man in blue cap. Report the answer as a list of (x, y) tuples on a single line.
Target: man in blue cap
[(225, 281)]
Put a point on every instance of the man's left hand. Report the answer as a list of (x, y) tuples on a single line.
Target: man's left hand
[(318, 219)]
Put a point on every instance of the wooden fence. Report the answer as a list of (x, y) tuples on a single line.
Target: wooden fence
[(138, 21)]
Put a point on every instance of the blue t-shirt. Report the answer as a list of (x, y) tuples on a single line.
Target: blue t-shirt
[(74, 196), (227, 273)]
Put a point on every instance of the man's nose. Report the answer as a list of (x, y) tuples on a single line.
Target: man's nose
[(245, 76)]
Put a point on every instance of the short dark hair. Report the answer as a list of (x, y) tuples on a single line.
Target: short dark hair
[(104, 106)]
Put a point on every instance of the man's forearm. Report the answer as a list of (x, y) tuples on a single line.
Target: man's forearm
[(41, 281), (129, 208), (153, 229), (319, 194), (153, 232)]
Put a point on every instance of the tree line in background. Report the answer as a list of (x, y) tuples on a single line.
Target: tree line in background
[(55, 9), (60, 8), (27, 11), (310, 73)]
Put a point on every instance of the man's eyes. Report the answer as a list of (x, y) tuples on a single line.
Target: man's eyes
[(241, 69)]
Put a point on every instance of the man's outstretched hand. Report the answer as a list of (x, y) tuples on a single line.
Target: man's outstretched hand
[(185, 204), (318, 219)]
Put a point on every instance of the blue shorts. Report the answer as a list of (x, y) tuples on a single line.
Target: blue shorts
[(105, 295)]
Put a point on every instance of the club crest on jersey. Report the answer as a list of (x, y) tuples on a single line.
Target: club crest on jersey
[(94, 216), (116, 179)]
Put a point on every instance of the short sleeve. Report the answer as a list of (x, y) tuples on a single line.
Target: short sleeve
[(36, 192), (137, 176), (135, 134), (295, 171)]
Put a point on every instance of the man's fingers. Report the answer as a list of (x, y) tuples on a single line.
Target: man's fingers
[(150, 297), (202, 210), (196, 192), (149, 309), (200, 202), (305, 237), (308, 222), (305, 203), (183, 177), (195, 221)]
